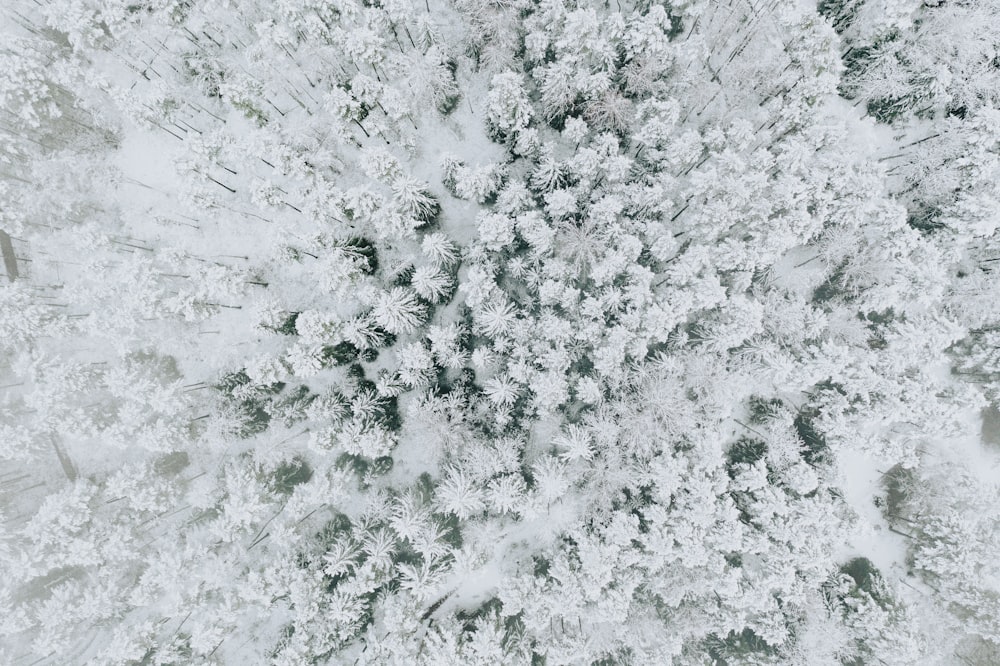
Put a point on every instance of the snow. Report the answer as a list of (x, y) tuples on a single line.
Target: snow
[(865, 137), (861, 483), (162, 251)]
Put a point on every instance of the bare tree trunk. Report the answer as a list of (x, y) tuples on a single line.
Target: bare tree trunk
[(67, 464), (9, 259)]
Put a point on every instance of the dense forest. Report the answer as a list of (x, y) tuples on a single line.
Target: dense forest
[(488, 332)]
